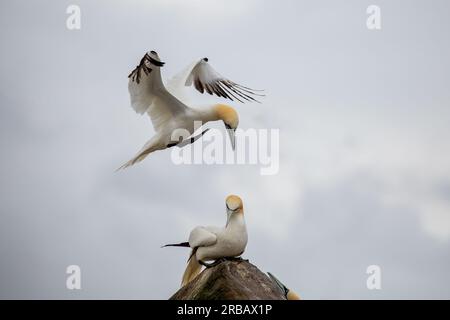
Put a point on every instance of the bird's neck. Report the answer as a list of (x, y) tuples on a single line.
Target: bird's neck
[(206, 114), (236, 221)]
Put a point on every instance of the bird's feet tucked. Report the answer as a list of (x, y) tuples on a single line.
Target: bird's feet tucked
[(219, 261), (237, 259), (212, 264)]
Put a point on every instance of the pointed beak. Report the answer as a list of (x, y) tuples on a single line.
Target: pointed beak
[(231, 134), (279, 283), (229, 213)]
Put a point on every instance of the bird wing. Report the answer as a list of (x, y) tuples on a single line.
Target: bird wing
[(176, 85), (206, 79), (201, 237), (148, 94), (164, 108)]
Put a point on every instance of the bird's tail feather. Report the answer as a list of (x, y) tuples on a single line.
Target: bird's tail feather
[(192, 269), (181, 244), (139, 157)]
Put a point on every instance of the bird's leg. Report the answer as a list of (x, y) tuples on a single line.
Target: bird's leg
[(186, 142), (170, 145), (173, 144)]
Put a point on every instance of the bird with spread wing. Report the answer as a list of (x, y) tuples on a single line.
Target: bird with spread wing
[(169, 114)]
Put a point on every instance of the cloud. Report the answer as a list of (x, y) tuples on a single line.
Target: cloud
[(364, 163), (209, 11)]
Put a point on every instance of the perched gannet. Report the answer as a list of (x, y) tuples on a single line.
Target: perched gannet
[(167, 113), (215, 243), (290, 295)]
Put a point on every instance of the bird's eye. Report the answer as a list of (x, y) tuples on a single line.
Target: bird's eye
[(153, 52)]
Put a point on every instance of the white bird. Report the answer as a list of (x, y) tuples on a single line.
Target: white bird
[(168, 114), (215, 243)]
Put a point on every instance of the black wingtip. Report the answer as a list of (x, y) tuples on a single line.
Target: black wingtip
[(154, 61)]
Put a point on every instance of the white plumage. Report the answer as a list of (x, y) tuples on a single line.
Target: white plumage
[(168, 113), (212, 243)]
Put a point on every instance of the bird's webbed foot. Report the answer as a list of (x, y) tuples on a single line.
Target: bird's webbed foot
[(212, 264), (219, 261), (240, 259), (183, 143)]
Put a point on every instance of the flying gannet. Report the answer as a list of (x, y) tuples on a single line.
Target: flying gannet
[(215, 243), (148, 94), (288, 293)]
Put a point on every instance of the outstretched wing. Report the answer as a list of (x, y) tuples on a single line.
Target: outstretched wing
[(206, 79), (201, 237), (176, 85), (140, 85), (148, 94)]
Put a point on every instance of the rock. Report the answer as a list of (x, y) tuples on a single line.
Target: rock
[(230, 280)]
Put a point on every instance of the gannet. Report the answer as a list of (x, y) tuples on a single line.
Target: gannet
[(215, 243), (148, 94), (288, 293)]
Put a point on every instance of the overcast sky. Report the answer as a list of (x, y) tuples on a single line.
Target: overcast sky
[(363, 116)]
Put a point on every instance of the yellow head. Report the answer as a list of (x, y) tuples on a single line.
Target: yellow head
[(230, 118), (291, 295), (228, 115), (234, 205)]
